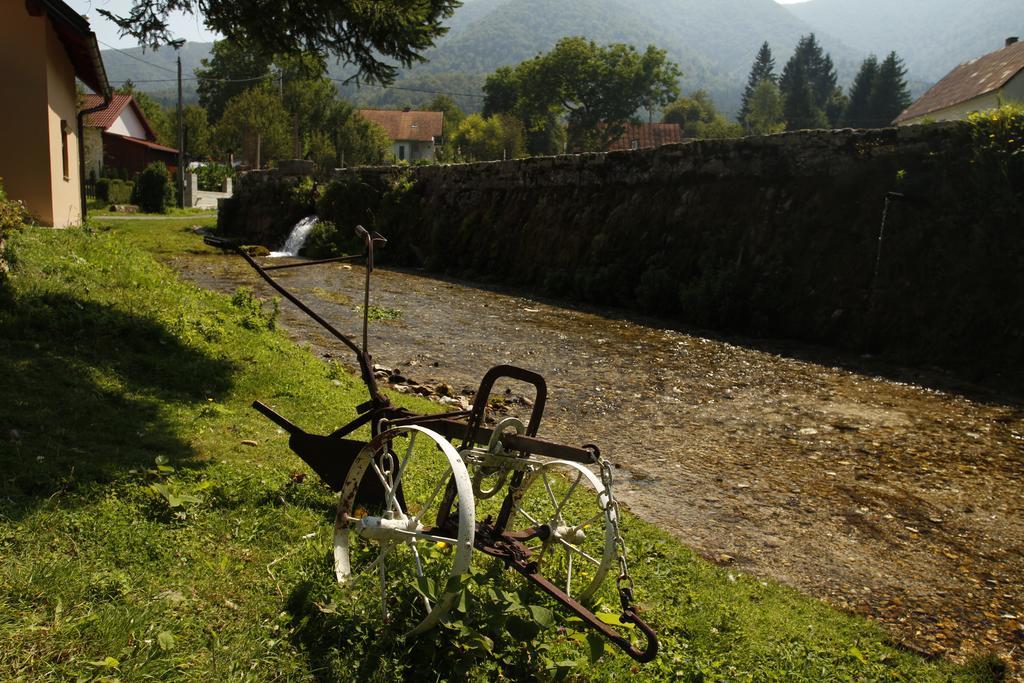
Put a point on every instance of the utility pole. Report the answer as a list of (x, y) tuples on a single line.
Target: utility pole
[(181, 144)]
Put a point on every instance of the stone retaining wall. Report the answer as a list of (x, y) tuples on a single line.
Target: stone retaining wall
[(769, 236)]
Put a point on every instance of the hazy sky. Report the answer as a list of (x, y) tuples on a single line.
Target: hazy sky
[(184, 25)]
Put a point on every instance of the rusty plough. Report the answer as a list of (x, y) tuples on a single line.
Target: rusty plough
[(412, 506)]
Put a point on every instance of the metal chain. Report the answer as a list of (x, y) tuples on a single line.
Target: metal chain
[(624, 582)]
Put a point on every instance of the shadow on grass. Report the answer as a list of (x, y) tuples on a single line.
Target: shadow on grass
[(348, 648), (88, 392)]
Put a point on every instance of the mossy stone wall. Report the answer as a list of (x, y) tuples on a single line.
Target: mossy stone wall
[(771, 236)]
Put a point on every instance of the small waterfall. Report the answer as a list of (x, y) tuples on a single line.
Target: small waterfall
[(297, 238)]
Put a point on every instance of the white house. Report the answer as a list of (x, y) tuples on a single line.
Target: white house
[(978, 85), (120, 137), (413, 133)]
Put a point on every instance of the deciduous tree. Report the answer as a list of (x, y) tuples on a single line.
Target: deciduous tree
[(231, 69), (480, 138), (453, 116), (765, 114), (699, 118), (197, 132), (357, 142), (504, 94), (255, 125), (597, 90)]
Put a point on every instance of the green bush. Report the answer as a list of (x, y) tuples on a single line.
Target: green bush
[(212, 177), (350, 201), (153, 188), (12, 212), (324, 241), (103, 189), (999, 146), (114, 190), (12, 216)]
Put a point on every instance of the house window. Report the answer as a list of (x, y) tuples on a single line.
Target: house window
[(401, 152), (634, 144), (64, 149)]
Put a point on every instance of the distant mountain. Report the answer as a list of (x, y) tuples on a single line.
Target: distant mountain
[(932, 36), (713, 41), (156, 71)]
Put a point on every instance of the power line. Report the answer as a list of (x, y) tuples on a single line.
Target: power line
[(343, 81), (419, 90), (338, 80), (138, 59), (202, 78)]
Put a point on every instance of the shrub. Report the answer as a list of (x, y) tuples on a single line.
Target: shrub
[(117, 191), (212, 176), (12, 215), (153, 188), (103, 189), (999, 144), (12, 212), (324, 241), (348, 201)]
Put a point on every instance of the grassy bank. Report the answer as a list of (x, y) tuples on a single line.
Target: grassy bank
[(151, 525)]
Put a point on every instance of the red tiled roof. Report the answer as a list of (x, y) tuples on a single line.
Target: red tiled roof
[(421, 126), (647, 135), (967, 81), (105, 118)]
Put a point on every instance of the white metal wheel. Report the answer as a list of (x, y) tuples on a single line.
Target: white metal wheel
[(396, 544), (571, 500)]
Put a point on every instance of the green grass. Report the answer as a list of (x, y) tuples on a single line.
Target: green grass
[(100, 209), (151, 528)]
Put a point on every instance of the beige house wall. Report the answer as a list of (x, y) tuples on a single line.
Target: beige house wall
[(1014, 90), (63, 108), (24, 119)]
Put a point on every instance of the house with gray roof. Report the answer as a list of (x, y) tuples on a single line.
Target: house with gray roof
[(981, 84)]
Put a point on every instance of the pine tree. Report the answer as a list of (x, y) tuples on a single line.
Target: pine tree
[(763, 69), (808, 85), (890, 95), (858, 112)]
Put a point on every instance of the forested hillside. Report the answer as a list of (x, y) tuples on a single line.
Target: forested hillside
[(713, 41), (156, 71), (932, 36)]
